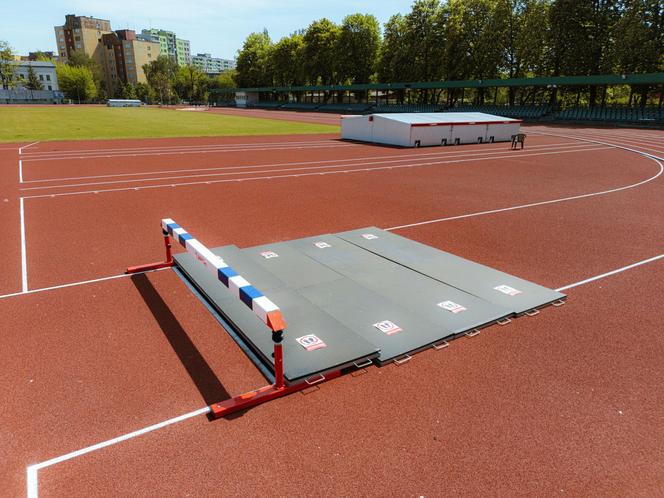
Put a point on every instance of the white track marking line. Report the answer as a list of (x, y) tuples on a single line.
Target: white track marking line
[(164, 148), (613, 272), (32, 470), (24, 261), (324, 161), (175, 153), (20, 149), (20, 171), (296, 175), (541, 203), (340, 164), (74, 284)]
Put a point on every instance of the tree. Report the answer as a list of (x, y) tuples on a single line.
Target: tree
[(78, 58), (393, 63), (425, 40), (191, 84), (286, 61), (226, 79), (320, 52), (253, 61), (41, 56), (77, 83), (33, 82), (145, 93), (160, 74), (357, 53), (128, 91), (7, 67)]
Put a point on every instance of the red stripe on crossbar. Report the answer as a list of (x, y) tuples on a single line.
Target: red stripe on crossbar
[(466, 124)]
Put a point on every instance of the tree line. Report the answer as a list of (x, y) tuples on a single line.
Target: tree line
[(464, 39)]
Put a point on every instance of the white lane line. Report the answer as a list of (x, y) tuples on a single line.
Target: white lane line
[(74, 284), (20, 149), (202, 151), (533, 204), (613, 272), (20, 171), (412, 161), (32, 470), (325, 161), (24, 261), (296, 175), (166, 148)]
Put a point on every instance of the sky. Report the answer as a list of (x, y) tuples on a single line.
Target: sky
[(218, 27)]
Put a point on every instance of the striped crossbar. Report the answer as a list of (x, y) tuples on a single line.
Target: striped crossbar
[(265, 309)]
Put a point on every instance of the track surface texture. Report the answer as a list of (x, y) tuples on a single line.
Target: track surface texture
[(566, 403)]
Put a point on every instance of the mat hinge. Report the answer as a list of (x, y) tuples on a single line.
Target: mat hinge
[(320, 379), (440, 345), (472, 333), (503, 321), (403, 359), (532, 312), (558, 303), (362, 365)]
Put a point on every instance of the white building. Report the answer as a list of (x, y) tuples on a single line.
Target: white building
[(45, 73), (44, 70), (431, 128), (212, 65)]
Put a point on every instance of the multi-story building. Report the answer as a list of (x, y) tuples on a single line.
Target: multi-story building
[(124, 57), (45, 73), (176, 48), (212, 65), (80, 33)]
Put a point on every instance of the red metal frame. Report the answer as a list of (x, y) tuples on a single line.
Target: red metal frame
[(257, 396), (168, 263)]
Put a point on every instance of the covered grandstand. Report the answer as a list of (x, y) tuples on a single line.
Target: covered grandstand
[(635, 99)]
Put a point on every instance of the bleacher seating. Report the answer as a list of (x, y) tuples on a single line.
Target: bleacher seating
[(386, 108), (345, 107), (301, 106), (266, 104), (527, 112), (619, 114)]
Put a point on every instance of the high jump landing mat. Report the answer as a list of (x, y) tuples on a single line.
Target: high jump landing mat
[(361, 296)]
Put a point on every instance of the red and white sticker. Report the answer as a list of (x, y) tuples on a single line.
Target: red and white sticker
[(269, 254), (452, 307), (310, 342), (387, 327), (506, 289), (322, 245), (369, 236)]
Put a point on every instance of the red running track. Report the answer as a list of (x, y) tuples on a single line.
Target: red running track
[(568, 402)]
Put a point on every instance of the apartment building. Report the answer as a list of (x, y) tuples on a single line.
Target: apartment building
[(212, 65), (176, 48), (124, 57), (83, 34)]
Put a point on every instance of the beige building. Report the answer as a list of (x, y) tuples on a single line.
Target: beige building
[(82, 34), (120, 54), (124, 57)]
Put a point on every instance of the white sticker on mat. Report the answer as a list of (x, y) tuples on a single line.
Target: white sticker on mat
[(506, 289), (452, 307), (369, 236), (311, 342), (269, 254), (322, 245), (387, 327)]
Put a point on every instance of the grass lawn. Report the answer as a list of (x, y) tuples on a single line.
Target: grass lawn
[(19, 124)]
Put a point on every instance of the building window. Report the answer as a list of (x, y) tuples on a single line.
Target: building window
[(48, 77), (41, 77), (49, 87)]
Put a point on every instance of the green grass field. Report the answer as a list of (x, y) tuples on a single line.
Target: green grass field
[(18, 124)]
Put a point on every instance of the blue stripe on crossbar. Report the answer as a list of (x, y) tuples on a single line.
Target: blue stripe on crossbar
[(183, 237), (248, 294), (171, 227), (225, 273)]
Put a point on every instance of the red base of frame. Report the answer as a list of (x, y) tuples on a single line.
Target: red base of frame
[(262, 395), (150, 266)]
